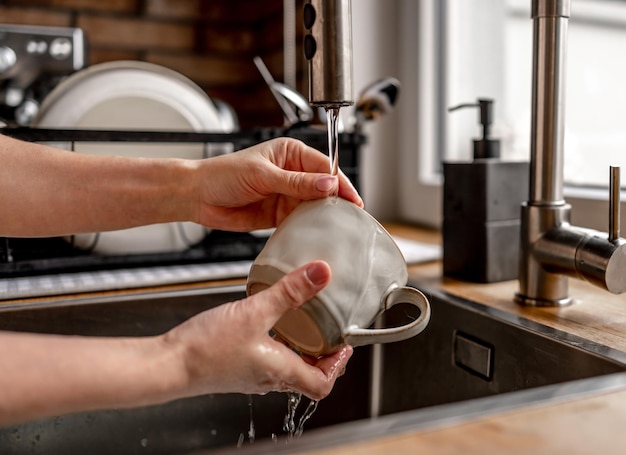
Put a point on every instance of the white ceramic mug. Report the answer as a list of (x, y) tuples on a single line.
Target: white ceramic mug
[(369, 275)]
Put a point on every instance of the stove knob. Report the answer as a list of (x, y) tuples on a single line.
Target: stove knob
[(26, 112), (7, 59), (61, 48)]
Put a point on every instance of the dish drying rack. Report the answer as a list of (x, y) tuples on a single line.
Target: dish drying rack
[(52, 266)]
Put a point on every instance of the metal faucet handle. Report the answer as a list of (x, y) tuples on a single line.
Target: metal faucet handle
[(614, 203)]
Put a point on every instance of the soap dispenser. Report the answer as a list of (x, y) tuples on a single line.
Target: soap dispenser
[(481, 209)]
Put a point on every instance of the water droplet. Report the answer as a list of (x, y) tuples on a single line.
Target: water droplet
[(251, 432), (332, 116), (289, 425)]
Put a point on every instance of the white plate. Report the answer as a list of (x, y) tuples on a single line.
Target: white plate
[(132, 95)]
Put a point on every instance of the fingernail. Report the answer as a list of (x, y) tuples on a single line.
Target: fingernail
[(325, 183), (317, 273)]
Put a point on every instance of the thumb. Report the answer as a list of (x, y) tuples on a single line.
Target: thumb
[(307, 185), (294, 289)]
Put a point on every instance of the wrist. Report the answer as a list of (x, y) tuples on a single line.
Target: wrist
[(185, 190), (165, 191), (168, 378)]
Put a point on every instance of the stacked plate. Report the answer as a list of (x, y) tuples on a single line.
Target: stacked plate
[(137, 96)]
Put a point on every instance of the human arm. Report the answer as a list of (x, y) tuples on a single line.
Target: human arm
[(225, 349), (48, 192)]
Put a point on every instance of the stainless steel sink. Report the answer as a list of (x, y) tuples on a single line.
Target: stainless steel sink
[(468, 351)]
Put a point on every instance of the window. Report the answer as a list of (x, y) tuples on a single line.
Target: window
[(459, 50)]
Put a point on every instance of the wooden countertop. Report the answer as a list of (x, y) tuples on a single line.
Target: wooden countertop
[(595, 315), (582, 426), (587, 425)]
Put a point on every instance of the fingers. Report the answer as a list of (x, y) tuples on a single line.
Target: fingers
[(316, 381), (348, 191), (302, 173), (308, 185), (334, 365), (293, 290)]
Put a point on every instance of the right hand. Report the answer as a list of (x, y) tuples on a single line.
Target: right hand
[(259, 186)]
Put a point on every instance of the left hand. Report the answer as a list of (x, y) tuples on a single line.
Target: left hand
[(258, 187), (228, 348)]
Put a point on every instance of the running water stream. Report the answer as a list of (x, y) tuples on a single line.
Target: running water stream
[(289, 425), (332, 119), (251, 430)]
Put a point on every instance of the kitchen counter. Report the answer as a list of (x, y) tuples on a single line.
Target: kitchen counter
[(595, 315), (587, 424), (582, 426), (573, 423)]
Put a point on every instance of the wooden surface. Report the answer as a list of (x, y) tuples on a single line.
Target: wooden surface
[(595, 315), (69, 299), (585, 426)]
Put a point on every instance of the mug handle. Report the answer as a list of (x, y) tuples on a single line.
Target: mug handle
[(357, 336)]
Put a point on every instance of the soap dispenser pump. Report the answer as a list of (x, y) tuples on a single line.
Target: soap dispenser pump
[(482, 208), (485, 147)]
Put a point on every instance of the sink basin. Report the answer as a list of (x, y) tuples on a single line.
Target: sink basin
[(469, 351)]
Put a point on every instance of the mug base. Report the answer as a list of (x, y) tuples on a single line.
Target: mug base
[(310, 329), (301, 332)]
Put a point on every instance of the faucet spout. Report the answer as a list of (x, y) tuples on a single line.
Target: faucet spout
[(551, 248), (328, 49)]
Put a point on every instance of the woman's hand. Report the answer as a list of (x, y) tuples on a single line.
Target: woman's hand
[(228, 348), (259, 186)]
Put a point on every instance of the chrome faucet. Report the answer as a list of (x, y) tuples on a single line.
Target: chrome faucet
[(551, 248), (328, 49)]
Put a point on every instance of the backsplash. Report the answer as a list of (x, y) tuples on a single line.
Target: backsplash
[(212, 42)]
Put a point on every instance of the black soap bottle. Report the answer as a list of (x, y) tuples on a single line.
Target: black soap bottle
[(481, 210)]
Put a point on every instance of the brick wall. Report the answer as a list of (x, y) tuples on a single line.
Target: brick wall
[(210, 41)]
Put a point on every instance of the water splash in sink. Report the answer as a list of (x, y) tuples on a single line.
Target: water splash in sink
[(289, 425), (251, 430)]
